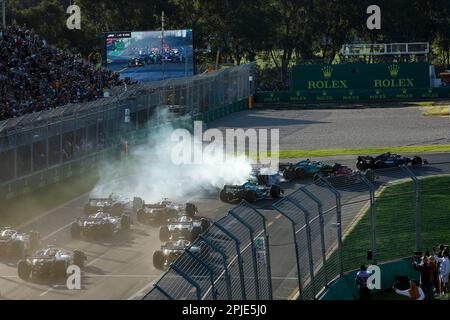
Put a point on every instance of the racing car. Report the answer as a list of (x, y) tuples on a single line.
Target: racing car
[(250, 192), (170, 252), (100, 224), (343, 175), (160, 212), (387, 160), (183, 227), (50, 262), (136, 62), (113, 204), (15, 245), (305, 168)]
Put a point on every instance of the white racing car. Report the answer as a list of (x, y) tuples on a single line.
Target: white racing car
[(100, 224), (184, 227), (14, 244)]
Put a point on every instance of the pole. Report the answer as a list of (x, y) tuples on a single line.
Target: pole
[(162, 43), (3, 13)]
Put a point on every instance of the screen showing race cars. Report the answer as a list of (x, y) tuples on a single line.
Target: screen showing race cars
[(150, 55)]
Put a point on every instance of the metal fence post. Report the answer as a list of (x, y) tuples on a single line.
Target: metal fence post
[(239, 257), (418, 214), (338, 222), (299, 275), (309, 240), (252, 244), (267, 250), (210, 270), (373, 216), (188, 279), (225, 263), (322, 229)]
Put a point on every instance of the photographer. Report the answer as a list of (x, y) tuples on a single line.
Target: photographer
[(425, 280), (414, 292), (361, 280)]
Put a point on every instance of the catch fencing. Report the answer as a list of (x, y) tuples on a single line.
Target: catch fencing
[(335, 224), (44, 147)]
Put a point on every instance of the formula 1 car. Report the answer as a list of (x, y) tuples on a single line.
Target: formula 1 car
[(50, 262), (343, 175), (183, 227), (15, 245), (387, 160), (113, 204), (161, 212), (305, 168), (100, 224), (136, 62), (250, 192), (170, 252)]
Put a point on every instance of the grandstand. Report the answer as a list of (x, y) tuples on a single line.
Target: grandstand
[(36, 76)]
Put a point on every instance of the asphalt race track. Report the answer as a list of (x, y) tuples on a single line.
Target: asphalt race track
[(122, 268)]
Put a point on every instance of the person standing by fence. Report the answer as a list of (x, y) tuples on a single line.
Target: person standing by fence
[(361, 280), (425, 281)]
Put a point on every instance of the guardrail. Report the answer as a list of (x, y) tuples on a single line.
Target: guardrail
[(337, 223)]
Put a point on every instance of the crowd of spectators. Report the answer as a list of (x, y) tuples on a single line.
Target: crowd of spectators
[(36, 76)]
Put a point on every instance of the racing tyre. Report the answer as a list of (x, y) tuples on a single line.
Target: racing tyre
[(361, 166), (79, 258), (224, 196), (300, 173), (380, 164), (288, 174), (158, 260), (191, 209), (17, 249), (196, 231), (60, 269), (204, 223), (138, 203), (275, 191), (75, 230), (35, 239), (250, 196), (125, 222), (417, 161), (141, 215), (23, 270), (164, 234)]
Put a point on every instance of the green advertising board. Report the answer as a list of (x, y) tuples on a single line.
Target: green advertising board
[(375, 76), (319, 96)]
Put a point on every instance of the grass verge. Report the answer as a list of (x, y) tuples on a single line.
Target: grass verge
[(301, 153), (436, 111), (395, 212)]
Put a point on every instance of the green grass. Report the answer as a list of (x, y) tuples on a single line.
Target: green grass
[(17, 211), (436, 111), (301, 153), (395, 211)]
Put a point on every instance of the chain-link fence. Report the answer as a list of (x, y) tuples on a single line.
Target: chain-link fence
[(337, 223), (39, 148)]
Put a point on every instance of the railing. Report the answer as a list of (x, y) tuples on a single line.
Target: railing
[(336, 224)]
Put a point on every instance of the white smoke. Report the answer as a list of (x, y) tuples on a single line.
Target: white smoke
[(156, 176)]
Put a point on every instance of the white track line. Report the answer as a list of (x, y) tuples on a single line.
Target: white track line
[(55, 232)]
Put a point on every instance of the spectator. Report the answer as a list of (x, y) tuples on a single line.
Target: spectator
[(414, 292), (35, 76), (361, 281), (444, 272), (425, 281)]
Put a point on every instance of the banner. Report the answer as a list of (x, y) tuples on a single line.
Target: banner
[(361, 76)]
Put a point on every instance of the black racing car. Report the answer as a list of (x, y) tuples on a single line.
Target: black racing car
[(51, 262), (161, 212), (100, 225), (136, 62), (250, 192), (170, 251), (387, 160), (113, 204), (184, 227), (15, 245)]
